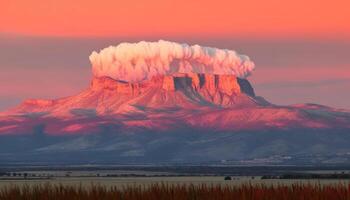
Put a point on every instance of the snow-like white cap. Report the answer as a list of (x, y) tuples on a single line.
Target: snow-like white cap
[(133, 62)]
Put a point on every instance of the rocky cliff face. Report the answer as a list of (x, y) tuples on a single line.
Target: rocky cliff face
[(212, 84), (221, 90)]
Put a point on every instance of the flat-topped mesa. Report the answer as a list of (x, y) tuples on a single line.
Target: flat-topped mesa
[(205, 84), (175, 89)]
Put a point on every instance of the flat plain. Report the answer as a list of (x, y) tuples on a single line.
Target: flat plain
[(182, 180)]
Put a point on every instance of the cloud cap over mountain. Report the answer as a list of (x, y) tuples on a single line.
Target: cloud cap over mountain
[(133, 62)]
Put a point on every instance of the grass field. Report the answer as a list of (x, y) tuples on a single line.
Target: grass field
[(177, 192), (182, 180), (173, 188)]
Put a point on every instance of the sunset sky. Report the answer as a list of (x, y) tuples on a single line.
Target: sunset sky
[(301, 48)]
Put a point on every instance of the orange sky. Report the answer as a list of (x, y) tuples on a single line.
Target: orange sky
[(259, 18)]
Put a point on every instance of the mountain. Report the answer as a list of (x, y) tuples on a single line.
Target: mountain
[(183, 117), (166, 102), (202, 101)]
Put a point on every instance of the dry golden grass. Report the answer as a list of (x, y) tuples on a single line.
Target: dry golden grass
[(177, 192)]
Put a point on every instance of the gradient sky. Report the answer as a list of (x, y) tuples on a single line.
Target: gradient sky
[(270, 18), (301, 48)]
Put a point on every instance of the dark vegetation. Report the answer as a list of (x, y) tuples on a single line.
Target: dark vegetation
[(263, 172), (309, 176), (177, 192)]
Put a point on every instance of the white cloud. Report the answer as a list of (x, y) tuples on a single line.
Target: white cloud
[(135, 62)]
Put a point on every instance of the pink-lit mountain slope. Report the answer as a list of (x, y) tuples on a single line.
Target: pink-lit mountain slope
[(166, 104)]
